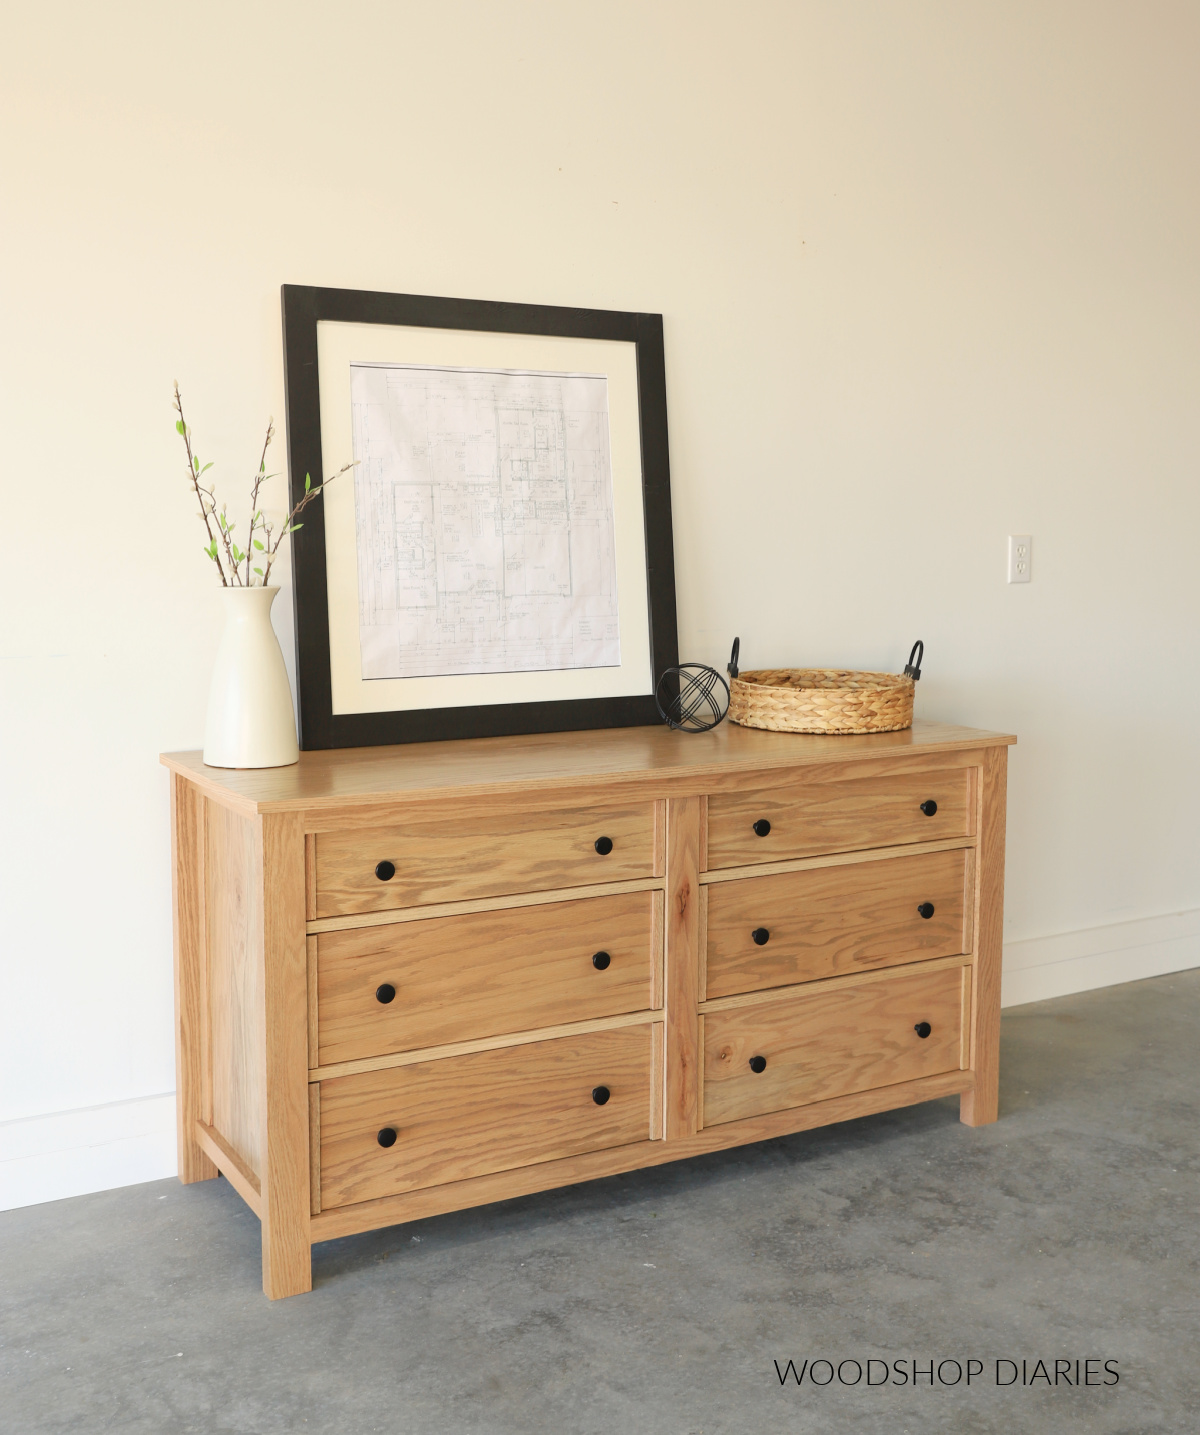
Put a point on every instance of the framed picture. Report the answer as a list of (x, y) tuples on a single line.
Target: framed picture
[(499, 559)]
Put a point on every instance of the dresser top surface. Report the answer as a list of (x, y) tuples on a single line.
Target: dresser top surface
[(604, 757)]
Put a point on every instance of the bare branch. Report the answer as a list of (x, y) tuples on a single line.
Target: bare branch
[(194, 475)]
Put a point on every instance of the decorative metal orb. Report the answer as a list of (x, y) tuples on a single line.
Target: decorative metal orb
[(692, 697)]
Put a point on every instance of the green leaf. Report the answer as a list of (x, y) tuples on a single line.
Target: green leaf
[(179, 429), (258, 545), (307, 482), (196, 464), (294, 526), (259, 572), (206, 467)]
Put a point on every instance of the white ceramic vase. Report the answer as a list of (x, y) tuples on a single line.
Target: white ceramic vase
[(250, 718)]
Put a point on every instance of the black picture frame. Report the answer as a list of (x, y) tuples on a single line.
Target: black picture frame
[(304, 307)]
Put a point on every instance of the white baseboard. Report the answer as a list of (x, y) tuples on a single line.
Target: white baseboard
[(1045, 967), (70, 1153)]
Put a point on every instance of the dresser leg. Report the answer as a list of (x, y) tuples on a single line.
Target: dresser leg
[(286, 1250), (981, 1104), (191, 1065)]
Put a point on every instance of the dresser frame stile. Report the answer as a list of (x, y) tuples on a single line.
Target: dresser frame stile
[(251, 840)]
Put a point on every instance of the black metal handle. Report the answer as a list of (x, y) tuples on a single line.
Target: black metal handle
[(929, 807), (385, 871), (912, 669), (600, 1094), (757, 1064), (600, 961), (762, 827), (732, 669), (922, 1029), (926, 910), (604, 845), (387, 1137), (386, 993), (760, 936)]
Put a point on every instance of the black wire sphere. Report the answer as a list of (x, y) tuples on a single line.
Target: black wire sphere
[(692, 697)]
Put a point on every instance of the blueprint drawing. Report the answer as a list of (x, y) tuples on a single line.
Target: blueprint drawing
[(484, 521)]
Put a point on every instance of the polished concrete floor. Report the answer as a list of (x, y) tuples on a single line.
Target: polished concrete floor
[(661, 1301)]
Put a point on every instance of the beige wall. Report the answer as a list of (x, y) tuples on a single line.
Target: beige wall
[(929, 277)]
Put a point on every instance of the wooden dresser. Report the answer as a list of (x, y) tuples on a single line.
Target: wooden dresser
[(414, 979)]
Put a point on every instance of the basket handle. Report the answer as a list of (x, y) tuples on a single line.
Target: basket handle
[(912, 669), (732, 669)]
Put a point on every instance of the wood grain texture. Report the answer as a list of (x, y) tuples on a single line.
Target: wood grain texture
[(681, 1111), (459, 1195), (314, 1147), (233, 907), (981, 1104), (459, 978), (191, 996), (652, 759), (445, 858), (833, 984), (510, 903), (810, 815), (279, 870), (483, 1043), (658, 948), (471, 1115), (832, 1043), (834, 859), (310, 876), (314, 1027), (657, 1079), (230, 1165), (831, 920)]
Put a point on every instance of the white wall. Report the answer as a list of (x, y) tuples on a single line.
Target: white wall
[(929, 277)]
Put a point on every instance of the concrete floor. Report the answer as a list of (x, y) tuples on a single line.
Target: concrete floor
[(659, 1301)]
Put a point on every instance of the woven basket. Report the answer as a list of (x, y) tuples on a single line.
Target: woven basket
[(821, 700)]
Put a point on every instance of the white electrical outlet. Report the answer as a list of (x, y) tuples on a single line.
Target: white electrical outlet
[(1020, 558)]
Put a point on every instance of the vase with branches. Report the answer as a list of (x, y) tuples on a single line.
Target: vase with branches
[(250, 720)]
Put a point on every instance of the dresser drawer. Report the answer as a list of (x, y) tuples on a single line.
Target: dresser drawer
[(448, 979), (823, 1044), (451, 858), (805, 817), (802, 926), (490, 1111)]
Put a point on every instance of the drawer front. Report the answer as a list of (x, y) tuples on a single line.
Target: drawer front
[(809, 817), (825, 1044), (802, 926), (458, 978), (467, 1116), (449, 859)]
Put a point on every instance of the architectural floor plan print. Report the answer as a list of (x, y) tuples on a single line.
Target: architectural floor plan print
[(484, 516)]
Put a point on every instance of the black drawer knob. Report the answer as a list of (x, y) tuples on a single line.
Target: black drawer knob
[(762, 827), (385, 871), (387, 1137), (929, 807), (604, 845), (386, 993), (922, 1029), (600, 961), (600, 1094), (760, 936), (757, 1064), (926, 910)]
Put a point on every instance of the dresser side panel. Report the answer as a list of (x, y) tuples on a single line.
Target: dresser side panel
[(233, 911)]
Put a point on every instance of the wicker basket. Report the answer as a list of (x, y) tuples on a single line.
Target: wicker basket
[(823, 699)]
